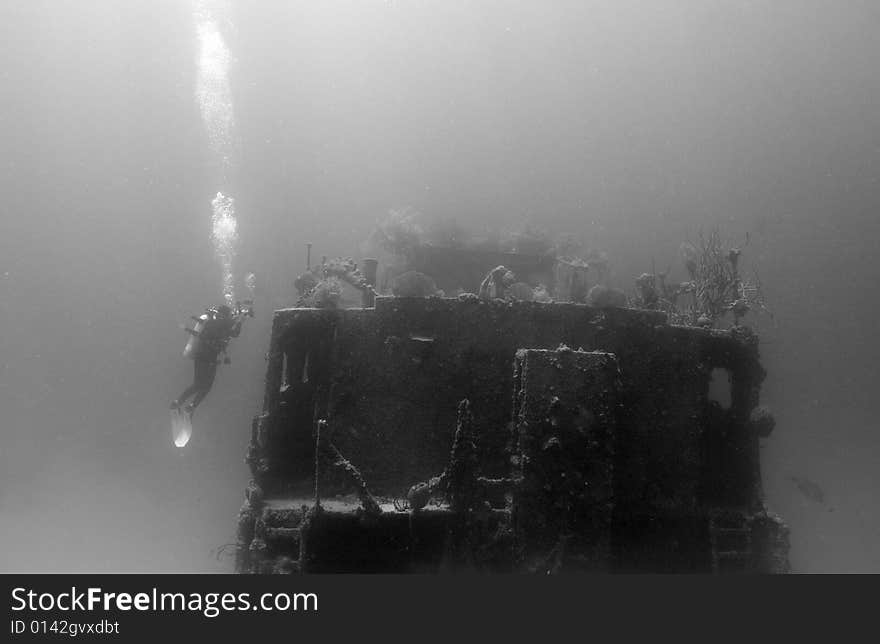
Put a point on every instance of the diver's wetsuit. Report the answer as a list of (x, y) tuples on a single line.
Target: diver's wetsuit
[(212, 340)]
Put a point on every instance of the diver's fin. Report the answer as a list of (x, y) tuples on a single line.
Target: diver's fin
[(181, 427)]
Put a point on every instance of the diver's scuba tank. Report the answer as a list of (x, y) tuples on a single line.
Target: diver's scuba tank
[(192, 344)]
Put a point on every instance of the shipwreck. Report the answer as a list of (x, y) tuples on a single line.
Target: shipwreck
[(433, 434)]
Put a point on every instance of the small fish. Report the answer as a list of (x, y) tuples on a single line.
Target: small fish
[(809, 489)]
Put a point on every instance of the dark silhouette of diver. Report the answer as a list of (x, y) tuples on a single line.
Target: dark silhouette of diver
[(219, 327)]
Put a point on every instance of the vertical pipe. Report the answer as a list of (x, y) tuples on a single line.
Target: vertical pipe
[(320, 432), (370, 267)]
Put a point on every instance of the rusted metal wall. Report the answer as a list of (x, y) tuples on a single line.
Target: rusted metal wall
[(388, 381)]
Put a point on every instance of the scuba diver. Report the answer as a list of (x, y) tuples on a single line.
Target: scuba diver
[(208, 339)]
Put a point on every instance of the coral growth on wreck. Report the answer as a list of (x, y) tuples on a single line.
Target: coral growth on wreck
[(322, 287), (715, 289)]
